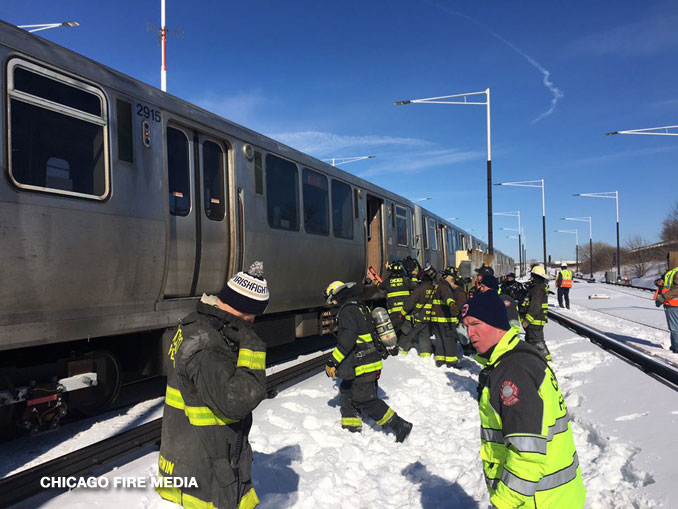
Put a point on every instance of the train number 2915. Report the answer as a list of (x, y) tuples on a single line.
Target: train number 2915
[(146, 112)]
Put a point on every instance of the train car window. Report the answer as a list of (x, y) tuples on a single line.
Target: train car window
[(258, 174), (178, 172), (342, 222), (433, 240), (282, 197), (56, 91), (213, 180), (401, 225), (125, 136), (57, 133), (316, 203), (424, 231)]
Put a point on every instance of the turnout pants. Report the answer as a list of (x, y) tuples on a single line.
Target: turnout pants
[(564, 292), (534, 334), (420, 332), (446, 342), (360, 395)]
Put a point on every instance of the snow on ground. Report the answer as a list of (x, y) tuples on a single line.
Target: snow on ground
[(629, 315), (623, 423)]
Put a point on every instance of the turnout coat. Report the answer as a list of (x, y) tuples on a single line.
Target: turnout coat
[(216, 377)]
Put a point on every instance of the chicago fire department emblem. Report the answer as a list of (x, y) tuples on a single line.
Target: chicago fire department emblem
[(509, 393)]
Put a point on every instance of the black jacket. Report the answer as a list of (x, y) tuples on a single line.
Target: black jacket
[(216, 377)]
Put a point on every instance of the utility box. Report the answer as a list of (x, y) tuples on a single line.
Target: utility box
[(611, 276), (465, 268)]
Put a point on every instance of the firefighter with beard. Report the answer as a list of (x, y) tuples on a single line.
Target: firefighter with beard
[(357, 360), (216, 377), (534, 308)]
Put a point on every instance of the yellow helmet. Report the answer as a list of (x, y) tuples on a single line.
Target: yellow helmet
[(538, 270), (334, 288)]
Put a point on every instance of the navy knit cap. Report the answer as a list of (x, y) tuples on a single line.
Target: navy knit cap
[(489, 308), (247, 292), (490, 281)]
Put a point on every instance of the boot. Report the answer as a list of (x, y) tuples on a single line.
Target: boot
[(453, 364), (440, 364), (400, 427)]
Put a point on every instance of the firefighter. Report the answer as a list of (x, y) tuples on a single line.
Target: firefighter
[(397, 287), (357, 360), (534, 308), (564, 283), (513, 288), (216, 376), (413, 269), (419, 305), (444, 321), (456, 282), (527, 448), (667, 295)]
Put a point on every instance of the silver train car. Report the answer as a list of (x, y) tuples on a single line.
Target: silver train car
[(120, 205)]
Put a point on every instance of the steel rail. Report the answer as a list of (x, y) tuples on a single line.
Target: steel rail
[(25, 484), (627, 286), (645, 362)]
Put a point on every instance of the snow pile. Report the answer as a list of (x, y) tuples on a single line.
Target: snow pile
[(303, 459)]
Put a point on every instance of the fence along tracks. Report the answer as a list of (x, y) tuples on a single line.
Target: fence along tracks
[(25, 484)]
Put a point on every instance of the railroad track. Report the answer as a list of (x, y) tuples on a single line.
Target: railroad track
[(25, 484), (646, 363), (627, 286)]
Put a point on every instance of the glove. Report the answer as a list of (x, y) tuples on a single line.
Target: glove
[(330, 371), (661, 298), (394, 351), (657, 303), (525, 324)]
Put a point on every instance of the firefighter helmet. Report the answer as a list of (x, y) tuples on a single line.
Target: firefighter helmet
[(538, 270), (430, 271), (334, 288), (396, 267)]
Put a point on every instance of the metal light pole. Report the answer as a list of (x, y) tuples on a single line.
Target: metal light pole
[(576, 245), (590, 236), (46, 26), (656, 131), (520, 243), (611, 195), (539, 184), (439, 100), (163, 43), (345, 160)]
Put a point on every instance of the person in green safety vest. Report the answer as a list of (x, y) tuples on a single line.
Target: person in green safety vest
[(527, 447)]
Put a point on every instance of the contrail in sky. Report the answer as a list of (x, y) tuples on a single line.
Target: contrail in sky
[(557, 93)]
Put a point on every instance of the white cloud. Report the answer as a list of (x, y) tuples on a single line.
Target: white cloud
[(324, 144), (555, 91), (239, 108), (415, 161), (648, 36)]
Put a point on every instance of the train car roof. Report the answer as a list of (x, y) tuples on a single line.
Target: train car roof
[(60, 57)]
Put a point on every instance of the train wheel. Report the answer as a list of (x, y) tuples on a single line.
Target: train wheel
[(108, 383)]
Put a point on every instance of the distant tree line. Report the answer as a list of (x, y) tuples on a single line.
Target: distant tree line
[(639, 260)]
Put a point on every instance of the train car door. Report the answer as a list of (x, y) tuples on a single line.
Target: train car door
[(374, 241), (180, 173), (198, 213), (212, 218)]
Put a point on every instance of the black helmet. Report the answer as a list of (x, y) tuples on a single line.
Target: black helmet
[(430, 271), (396, 267)]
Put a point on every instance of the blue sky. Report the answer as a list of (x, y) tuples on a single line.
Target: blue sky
[(323, 76)]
